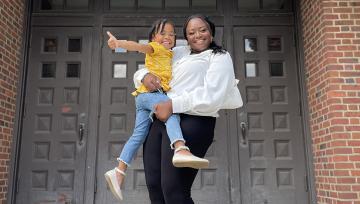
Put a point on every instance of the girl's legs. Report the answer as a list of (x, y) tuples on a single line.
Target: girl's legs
[(174, 131), (115, 177), (166, 183), (173, 122), (141, 129), (182, 157)]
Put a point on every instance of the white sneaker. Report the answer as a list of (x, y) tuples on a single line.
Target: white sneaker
[(113, 183), (180, 160)]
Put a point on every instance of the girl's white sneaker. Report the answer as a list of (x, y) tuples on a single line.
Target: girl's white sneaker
[(191, 161), (113, 183)]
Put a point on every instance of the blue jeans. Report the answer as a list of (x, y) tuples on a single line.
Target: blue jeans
[(144, 107)]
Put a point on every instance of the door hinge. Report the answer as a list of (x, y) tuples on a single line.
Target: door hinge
[(30, 40), (25, 109), (95, 186), (306, 181), (294, 38), (99, 111), (17, 184)]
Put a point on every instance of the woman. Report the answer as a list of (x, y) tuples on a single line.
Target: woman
[(203, 83)]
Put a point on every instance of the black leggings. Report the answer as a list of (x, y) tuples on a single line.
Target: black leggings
[(167, 184)]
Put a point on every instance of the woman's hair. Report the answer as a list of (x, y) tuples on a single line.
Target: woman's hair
[(211, 26), (158, 27)]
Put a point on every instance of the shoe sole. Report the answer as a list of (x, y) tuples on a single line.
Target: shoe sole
[(110, 186), (192, 164)]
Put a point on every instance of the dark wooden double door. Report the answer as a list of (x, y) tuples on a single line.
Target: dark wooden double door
[(79, 113)]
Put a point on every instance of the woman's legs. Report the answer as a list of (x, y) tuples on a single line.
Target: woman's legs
[(166, 183), (152, 162)]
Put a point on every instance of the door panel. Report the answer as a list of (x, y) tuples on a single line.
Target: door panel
[(52, 158), (117, 121), (271, 149)]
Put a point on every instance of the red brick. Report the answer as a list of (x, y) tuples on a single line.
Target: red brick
[(345, 35), (329, 4), (348, 195), (348, 60), (346, 48), (341, 135), (343, 187), (343, 180), (343, 150), (355, 188), (351, 100), (353, 128), (354, 4), (330, 16), (334, 54), (344, 22), (342, 10), (342, 158)]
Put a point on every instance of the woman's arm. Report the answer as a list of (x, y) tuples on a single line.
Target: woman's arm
[(150, 81), (128, 45)]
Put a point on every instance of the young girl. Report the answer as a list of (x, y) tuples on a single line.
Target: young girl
[(158, 62)]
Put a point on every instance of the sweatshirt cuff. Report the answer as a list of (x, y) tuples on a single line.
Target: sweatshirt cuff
[(180, 104), (139, 76)]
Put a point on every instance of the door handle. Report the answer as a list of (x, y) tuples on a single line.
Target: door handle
[(81, 132), (243, 132)]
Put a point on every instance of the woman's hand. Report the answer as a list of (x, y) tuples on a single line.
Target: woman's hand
[(151, 82), (163, 110)]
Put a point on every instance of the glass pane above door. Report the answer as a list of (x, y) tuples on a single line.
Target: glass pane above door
[(48, 70), (74, 45), (177, 4), (280, 5), (149, 4), (160, 4), (50, 45), (119, 70), (273, 4), (52, 4), (251, 69), (78, 4), (274, 43), (64, 5), (250, 44), (116, 4), (204, 3)]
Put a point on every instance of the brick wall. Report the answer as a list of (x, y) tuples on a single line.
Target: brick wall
[(11, 23), (331, 33)]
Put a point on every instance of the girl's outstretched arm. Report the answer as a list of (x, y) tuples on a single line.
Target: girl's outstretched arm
[(128, 45)]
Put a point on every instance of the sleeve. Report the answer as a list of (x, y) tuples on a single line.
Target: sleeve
[(139, 75), (156, 47), (210, 97)]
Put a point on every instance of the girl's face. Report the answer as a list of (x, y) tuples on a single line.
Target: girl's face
[(166, 37), (198, 35)]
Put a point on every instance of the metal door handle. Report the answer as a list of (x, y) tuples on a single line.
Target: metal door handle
[(81, 132), (243, 132)]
